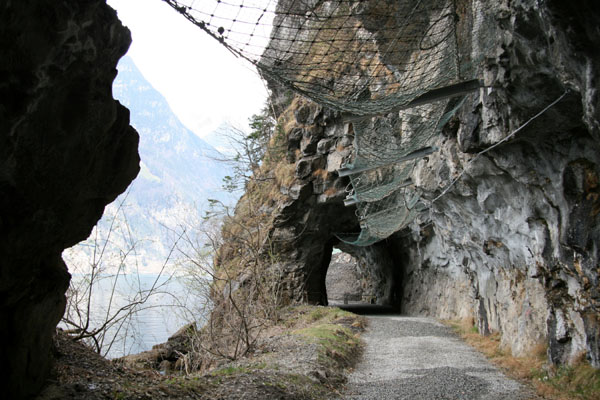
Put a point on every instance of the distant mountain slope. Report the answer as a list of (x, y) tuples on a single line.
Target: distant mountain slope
[(178, 174), (218, 139), (175, 161)]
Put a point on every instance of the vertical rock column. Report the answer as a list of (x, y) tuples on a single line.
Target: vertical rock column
[(66, 150)]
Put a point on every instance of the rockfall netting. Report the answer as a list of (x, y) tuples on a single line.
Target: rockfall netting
[(365, 59), (387, 151)]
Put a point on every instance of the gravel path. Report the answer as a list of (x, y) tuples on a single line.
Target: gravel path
[(418, 359)]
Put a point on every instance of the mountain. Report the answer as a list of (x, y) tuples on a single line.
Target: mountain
[(174, 160), (178, 174), (219, 139)]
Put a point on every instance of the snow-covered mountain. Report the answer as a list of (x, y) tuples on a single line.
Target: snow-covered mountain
[(178, 174)]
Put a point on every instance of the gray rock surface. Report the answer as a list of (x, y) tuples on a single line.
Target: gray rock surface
[(421, 359), (343, 279), (514, 243)]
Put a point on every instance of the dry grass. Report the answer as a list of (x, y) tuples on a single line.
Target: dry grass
[(302, 316), (330, 191), (334, 330), (578, 381), (320, 369), (320, 173), (284, 174), (287, 120)]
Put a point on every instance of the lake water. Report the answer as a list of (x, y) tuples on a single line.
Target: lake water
[(171, 305)]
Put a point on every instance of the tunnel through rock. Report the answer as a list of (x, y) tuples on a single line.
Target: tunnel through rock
[(356, 275)]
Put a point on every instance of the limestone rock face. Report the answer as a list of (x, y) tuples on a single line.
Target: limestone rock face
[(514, 243), (343, 279), (310, 209), (66, 150)]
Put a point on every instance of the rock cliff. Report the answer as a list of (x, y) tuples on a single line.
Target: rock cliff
[(66, 150), (513, 243)]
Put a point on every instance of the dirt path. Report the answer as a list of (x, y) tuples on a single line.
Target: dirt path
[(419, 358)]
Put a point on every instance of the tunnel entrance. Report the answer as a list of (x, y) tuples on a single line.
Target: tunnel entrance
[(352, 275)]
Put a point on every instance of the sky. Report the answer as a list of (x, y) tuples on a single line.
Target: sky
[(204, 84)]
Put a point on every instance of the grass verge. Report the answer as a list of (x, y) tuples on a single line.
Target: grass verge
[(319, 345), (579, 381)]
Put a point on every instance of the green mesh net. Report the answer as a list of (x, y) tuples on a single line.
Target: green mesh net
[(360, 57), (388, 150), (365, 59)]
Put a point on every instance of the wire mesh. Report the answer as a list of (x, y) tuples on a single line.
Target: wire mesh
[(362, 58), (386, 200)]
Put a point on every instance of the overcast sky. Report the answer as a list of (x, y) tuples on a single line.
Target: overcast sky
[(204, 83)]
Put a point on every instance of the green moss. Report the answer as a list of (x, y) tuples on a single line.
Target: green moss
[(305, 314), (325, 331), (338, 346), (119, 395)]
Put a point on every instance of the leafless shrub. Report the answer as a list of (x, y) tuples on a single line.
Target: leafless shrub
[(98, 278), (244, 286)]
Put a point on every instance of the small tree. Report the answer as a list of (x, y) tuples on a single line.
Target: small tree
[(244, 290), (245, 280), (247, 150)]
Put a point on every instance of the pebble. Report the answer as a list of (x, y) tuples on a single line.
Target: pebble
[(421, 359)]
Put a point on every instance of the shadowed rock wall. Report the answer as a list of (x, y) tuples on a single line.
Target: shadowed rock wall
[(66, 150)]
